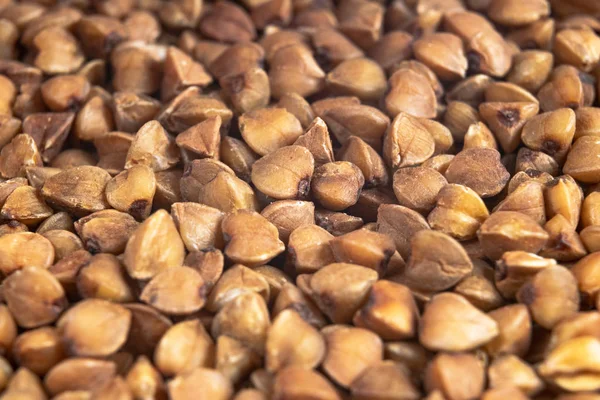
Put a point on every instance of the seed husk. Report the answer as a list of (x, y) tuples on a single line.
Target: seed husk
[(366, 122), (407, 142), (79, 374), (359, 153), (492, 177), (176, 291), (360, 77), (337, 185), (297, 382), (308, 249)]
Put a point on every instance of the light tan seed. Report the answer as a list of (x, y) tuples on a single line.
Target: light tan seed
[(448, 316), (340, 289), (183, 347), (152, 146), (154, 246), (309, 250), (407, 142), (198, 225), (287, 215), (94, 328), (25, 249), (132, 191), (176, 291), (456, 376)]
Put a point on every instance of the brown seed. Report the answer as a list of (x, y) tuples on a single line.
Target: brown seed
[(137, 67), (563, 196), (214, 184), (410, 92), (183, 347), (298, 106), (400, 223), (390, 311), (578, 47), (407, 142), (384, 379), (106, 231), (245, 318), (71, 158), (238, 156), (235, 360), (94, 327), (94, 120), (587, 121), (448, 316), (248, 90), (250, 238), (337, 185), (585, 273), (309, 249), (550, 132), (25, 205), (236, 280), (284, 173), (443, 53), (580, 163), (320, 107), (435, 270), (275, 277), (132, 191), (209, 263), (370, 249), (132, 110), (294, 70), (457, 376), (144, 381), (112, 151), (572, 365), (459, 116), (508, 231), (333, 47), (198, 225), (20, 153), (510, 370), (589, 237), (236, 59), (491, 175), (393, 48), (78, 190), (287, 215), (65, 92), (358, 77), (564, 243), (153, 147), (515, 268), (514, 13), (24, 384), (305, 348), (359, 153), (64, 243), (527, 198), (337, 223), (296, 383), (34, 296), (486, 50), (531, 68), (39, 350), (369, 201), (79, 374), (479, 288), (368, 123), (527, 177), (228, 22), (154, 246), (361, 21), (25, 249), (551, 296), (506, 120), (470, 90), (181, 72), (104, 277), (417, 188), (563, 89), (266, 130), (177, 291), (201, 382), (273, 12), (514, 323), (340, 289), (190, 108), (479, 135), (8, 329), (350, 352)]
